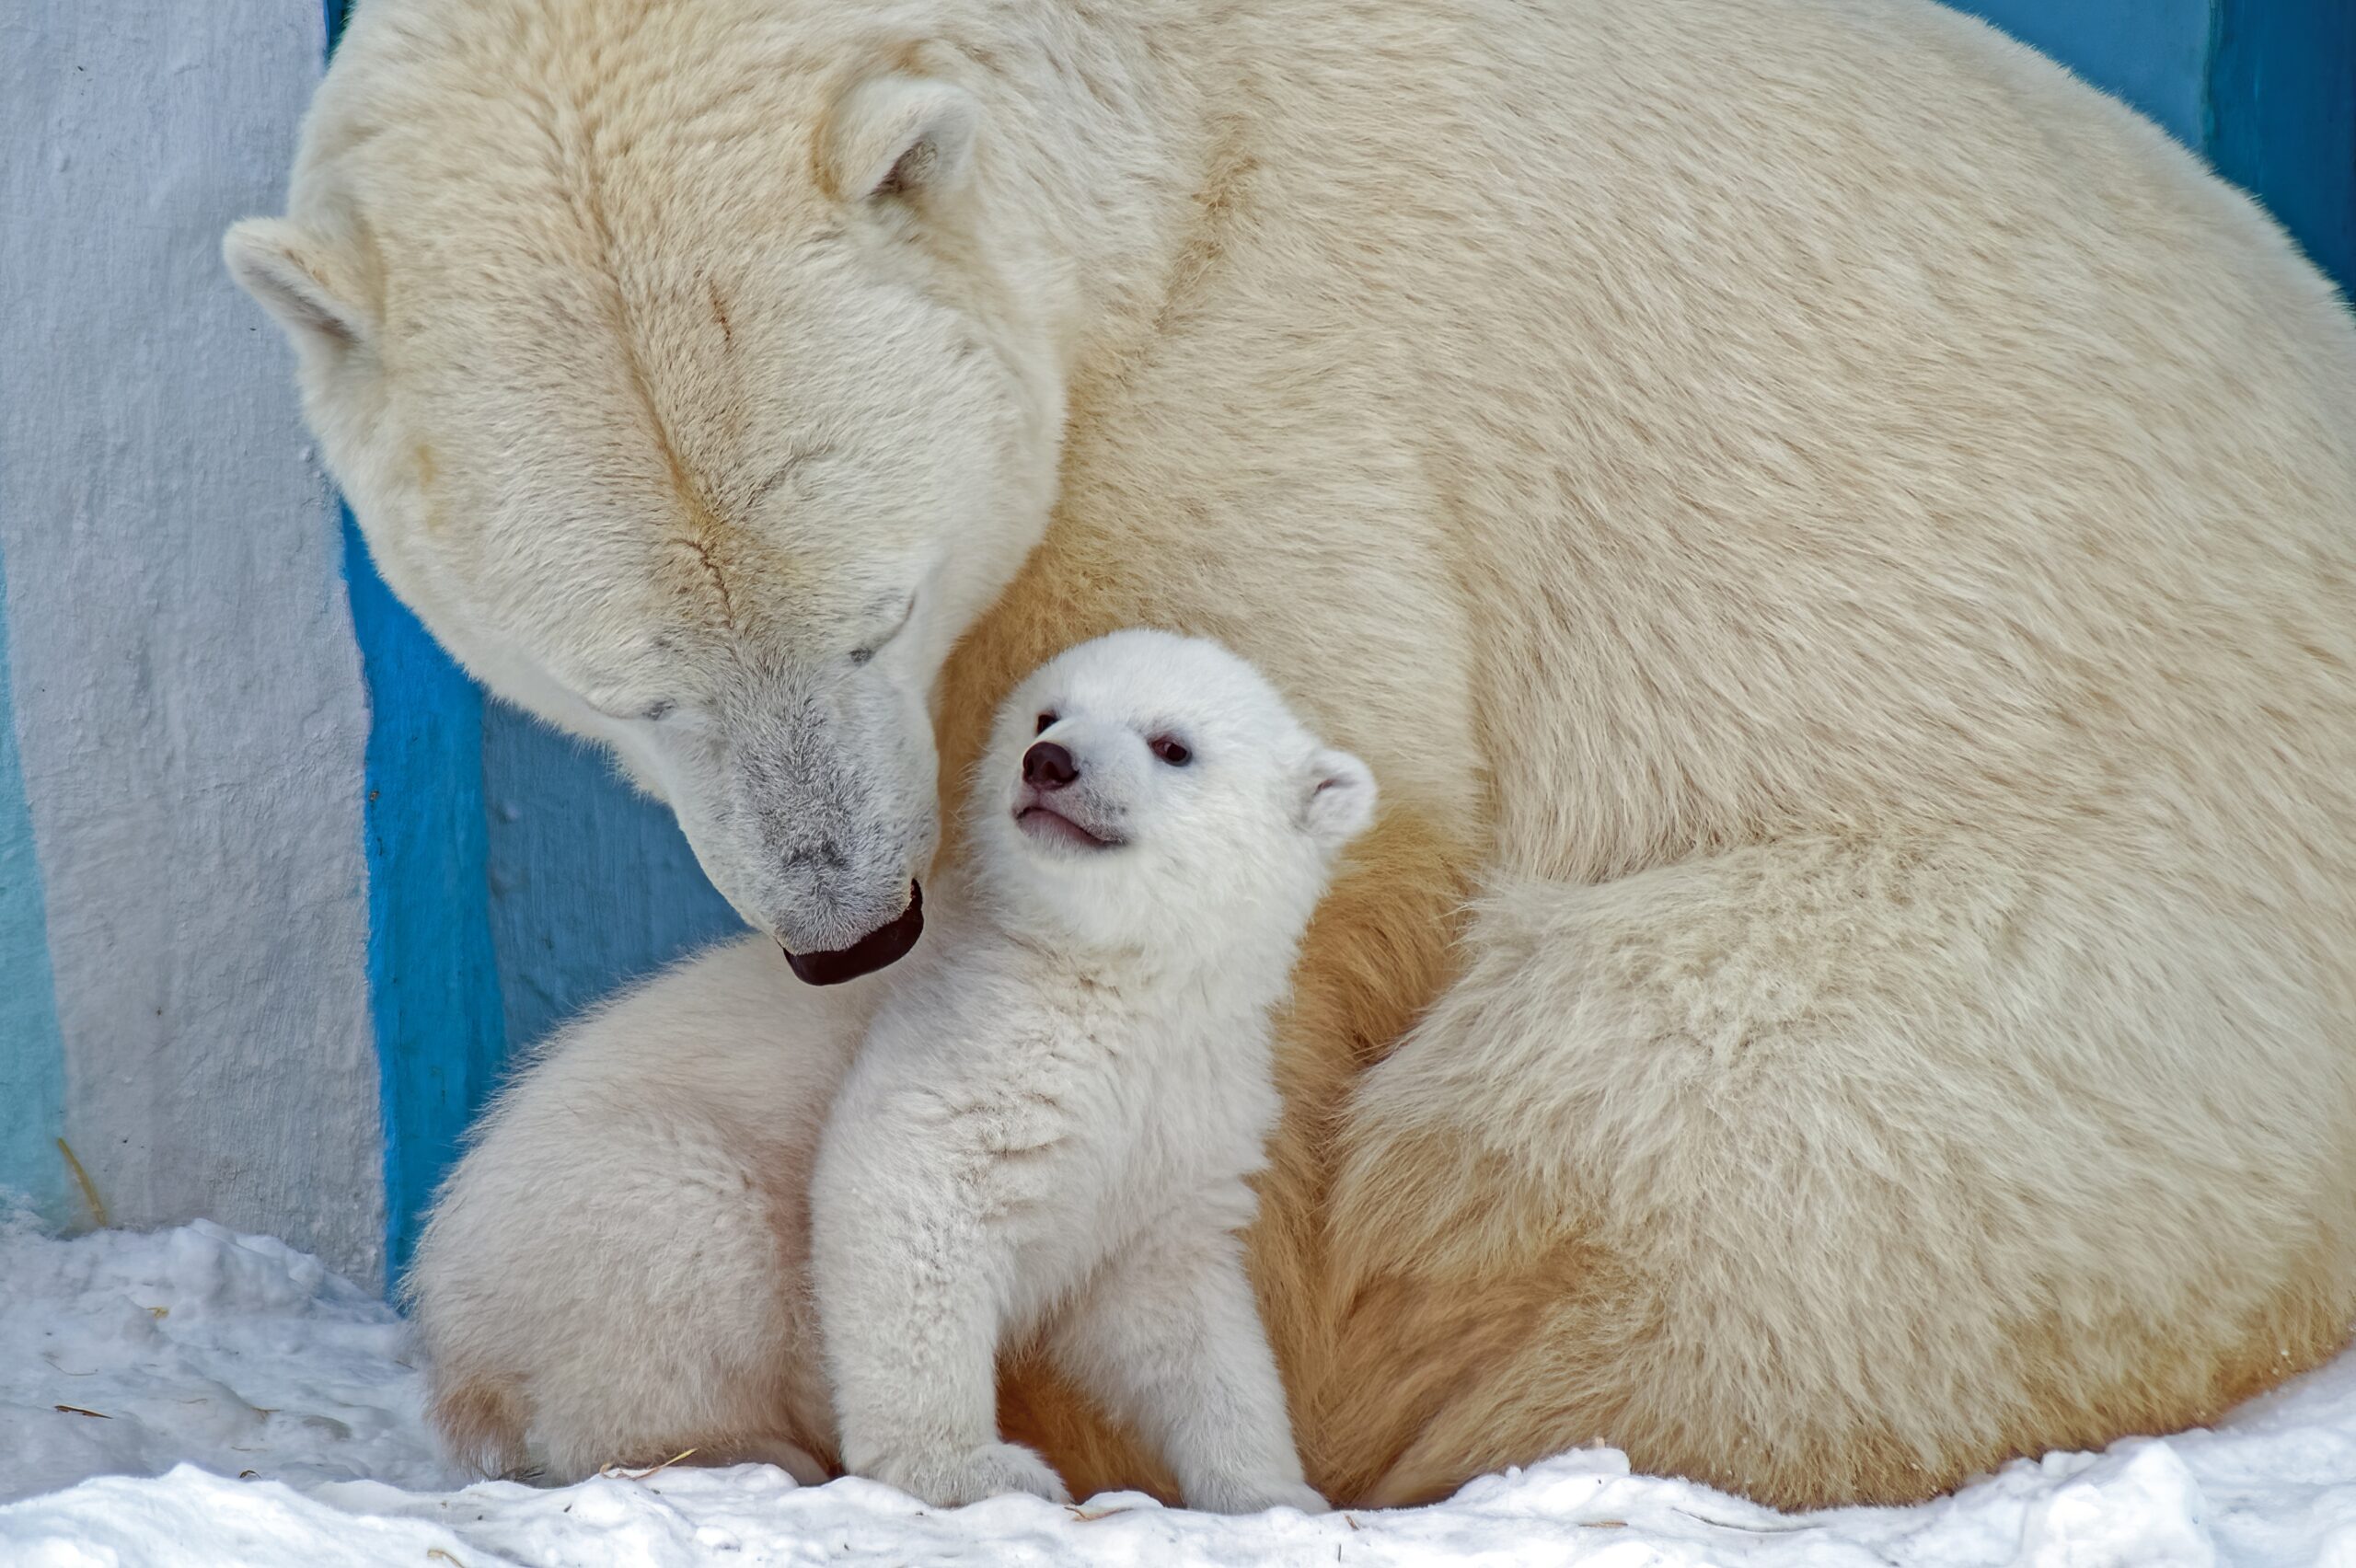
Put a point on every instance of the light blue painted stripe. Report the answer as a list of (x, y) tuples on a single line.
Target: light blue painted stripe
[(32, 1053), (432, 975), (432, 983)]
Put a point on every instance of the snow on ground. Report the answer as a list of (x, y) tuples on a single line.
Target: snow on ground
[(197, 1397)]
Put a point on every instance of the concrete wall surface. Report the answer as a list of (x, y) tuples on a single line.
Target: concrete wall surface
[(185, 687)]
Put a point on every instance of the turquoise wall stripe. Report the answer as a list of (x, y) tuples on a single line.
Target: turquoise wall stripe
[(432, 975), (32, 1054), (2282, 117), (432, 981)]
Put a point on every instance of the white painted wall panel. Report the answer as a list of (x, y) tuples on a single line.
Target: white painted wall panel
[(185, 687)]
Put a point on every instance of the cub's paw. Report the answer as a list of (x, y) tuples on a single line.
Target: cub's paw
[(1252, 1495), (952, 1480)]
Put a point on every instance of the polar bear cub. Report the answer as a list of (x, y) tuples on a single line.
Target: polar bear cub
[(1049, 1129)]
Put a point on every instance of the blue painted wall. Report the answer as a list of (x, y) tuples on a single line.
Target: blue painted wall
[(2265, 89), (592, 884), (2152, 54), (2282, 117), (433, 980), (434, 990), (32, 1054)]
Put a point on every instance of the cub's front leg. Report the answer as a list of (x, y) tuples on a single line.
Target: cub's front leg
[(1168, 1338), (912, 1289)]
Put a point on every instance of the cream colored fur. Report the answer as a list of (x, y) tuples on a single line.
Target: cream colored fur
[(1840, 541)]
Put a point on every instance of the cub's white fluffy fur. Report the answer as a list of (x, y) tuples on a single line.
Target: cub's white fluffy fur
[(1051, 1126), (617, 1270)]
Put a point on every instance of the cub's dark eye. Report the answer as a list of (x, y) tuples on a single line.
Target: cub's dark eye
[(656, 712), (1046, 721), (1170, 751)]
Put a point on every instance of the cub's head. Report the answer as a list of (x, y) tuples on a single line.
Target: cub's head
[(690, 378), (1152, 791)]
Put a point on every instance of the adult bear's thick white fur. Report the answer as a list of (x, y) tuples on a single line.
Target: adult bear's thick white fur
[(1839, 541)]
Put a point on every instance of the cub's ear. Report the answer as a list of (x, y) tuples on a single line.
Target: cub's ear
[(896, 134), (1339, 798), (280, 266)]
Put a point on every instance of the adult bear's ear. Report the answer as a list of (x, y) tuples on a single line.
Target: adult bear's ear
[(280, 266), (897, 135), (1339, 798)]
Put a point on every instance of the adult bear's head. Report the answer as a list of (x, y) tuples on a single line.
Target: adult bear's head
[(689, 384)]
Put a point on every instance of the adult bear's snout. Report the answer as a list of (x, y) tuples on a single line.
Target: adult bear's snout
[(885, 945)]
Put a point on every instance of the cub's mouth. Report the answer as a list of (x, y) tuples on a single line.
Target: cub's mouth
[(1042, 822), (882, 947)]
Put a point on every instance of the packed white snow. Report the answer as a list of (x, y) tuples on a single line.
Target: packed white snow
[(194, 1397)]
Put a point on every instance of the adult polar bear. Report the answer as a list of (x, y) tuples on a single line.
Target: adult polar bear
[(1837, 537)]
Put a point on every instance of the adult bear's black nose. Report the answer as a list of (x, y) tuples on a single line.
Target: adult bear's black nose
[(1048, 766)]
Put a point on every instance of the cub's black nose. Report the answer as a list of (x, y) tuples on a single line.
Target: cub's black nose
[(1048, 766)]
